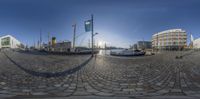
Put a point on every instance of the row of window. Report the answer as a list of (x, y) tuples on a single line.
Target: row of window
[(170, 43), (5, 41), (171, 37), (173, 40), (173, 33)]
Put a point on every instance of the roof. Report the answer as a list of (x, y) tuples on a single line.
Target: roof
[(144, 41), (170, 30), (9, 36), (197, 40), (6, 36)]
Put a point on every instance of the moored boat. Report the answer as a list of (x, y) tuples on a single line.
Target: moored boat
[(127, 52)]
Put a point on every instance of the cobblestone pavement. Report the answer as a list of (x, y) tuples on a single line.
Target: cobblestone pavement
[(158, 75)]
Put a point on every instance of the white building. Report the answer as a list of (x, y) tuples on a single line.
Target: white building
[(196, 43), (170, 39), (9, 41)]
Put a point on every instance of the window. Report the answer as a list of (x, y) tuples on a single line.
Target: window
[(5, 41)]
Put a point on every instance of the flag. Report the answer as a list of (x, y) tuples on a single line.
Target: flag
[(88, 25)]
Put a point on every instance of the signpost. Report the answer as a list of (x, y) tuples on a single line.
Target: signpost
[(89, 27)]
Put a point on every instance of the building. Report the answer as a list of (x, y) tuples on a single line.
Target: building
[(172, 39), (135, 47), (9, 41), (196, 43), (144, 45), (64, 46)]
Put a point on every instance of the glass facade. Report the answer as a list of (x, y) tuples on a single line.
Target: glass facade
[(5, 41)]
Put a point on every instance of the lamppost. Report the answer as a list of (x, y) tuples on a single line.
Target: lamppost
[(74, 36), (93, 34)]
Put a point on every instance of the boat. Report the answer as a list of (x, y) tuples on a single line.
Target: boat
[(127, 52), (84, 50)]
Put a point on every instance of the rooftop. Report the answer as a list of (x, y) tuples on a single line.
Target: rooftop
[(170, 30)]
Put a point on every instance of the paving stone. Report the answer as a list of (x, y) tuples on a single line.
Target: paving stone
[(104, 94), (63, 94), (2, 83), (68, 91), (65, 85), (176, 90), (139, 89), (128, 90), (160, 92), (26, 90), (108, 76), (4, 92), (39, 93), (91, 90), (81, 93), (6, 95)]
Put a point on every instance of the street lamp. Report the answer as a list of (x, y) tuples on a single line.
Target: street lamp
[(93, 34)]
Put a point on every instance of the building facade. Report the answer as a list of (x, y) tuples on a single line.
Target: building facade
[(64, 46), (144, 45), (196, 43), (9, 41), (172, 39)]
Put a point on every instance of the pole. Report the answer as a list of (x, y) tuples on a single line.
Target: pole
[(48, 41), (105, 48), (74, 35), (89, 43), (92, 35), (143, 44), (40, 38), (38, 45)]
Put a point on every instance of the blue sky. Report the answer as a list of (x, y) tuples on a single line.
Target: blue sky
[(118, 22)]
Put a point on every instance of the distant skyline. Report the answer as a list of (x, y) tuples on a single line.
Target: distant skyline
[(119, 22)]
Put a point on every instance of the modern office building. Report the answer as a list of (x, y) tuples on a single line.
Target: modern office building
[(172, 39), (9, 41), (142, 45)]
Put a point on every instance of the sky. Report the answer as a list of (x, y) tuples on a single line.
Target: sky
[(118, 23)]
